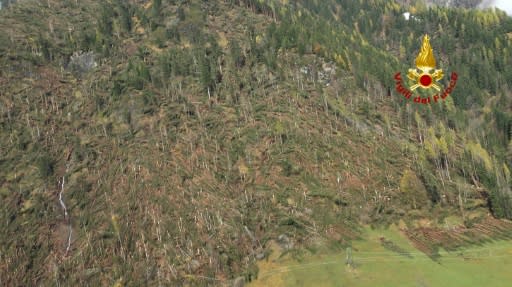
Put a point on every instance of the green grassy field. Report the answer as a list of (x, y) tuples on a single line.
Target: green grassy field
[(486, 265)]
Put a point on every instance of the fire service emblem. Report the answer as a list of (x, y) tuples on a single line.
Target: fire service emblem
[(425, 76)]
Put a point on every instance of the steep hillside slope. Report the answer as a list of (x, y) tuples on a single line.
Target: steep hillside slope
[(154, 142)]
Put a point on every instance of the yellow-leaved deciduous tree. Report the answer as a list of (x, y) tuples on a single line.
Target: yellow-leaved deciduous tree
[(443, 149), (506, 171), (481, 155), (339, 59), (443, 146), (283, 10), (391, 6), (413, 190), (490, 55), (402, 51), (243, 170), (497, 44), (441, 130), (439, 145), (431, 144), (119, 283), (115, 224)]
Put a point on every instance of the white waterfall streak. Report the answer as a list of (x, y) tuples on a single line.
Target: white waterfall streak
[(66, 216)]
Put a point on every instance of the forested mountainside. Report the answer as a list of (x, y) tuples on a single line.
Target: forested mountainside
[(167, 142)]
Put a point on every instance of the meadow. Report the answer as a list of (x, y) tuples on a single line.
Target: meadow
[(376, 265)]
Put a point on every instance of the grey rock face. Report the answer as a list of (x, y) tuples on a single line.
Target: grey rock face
[(239, 282), (82, 62)]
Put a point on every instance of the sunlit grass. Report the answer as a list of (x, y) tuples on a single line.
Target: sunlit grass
[(486, 265)]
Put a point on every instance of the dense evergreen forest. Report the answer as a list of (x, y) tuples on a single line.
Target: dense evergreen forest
[(151, 142)]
